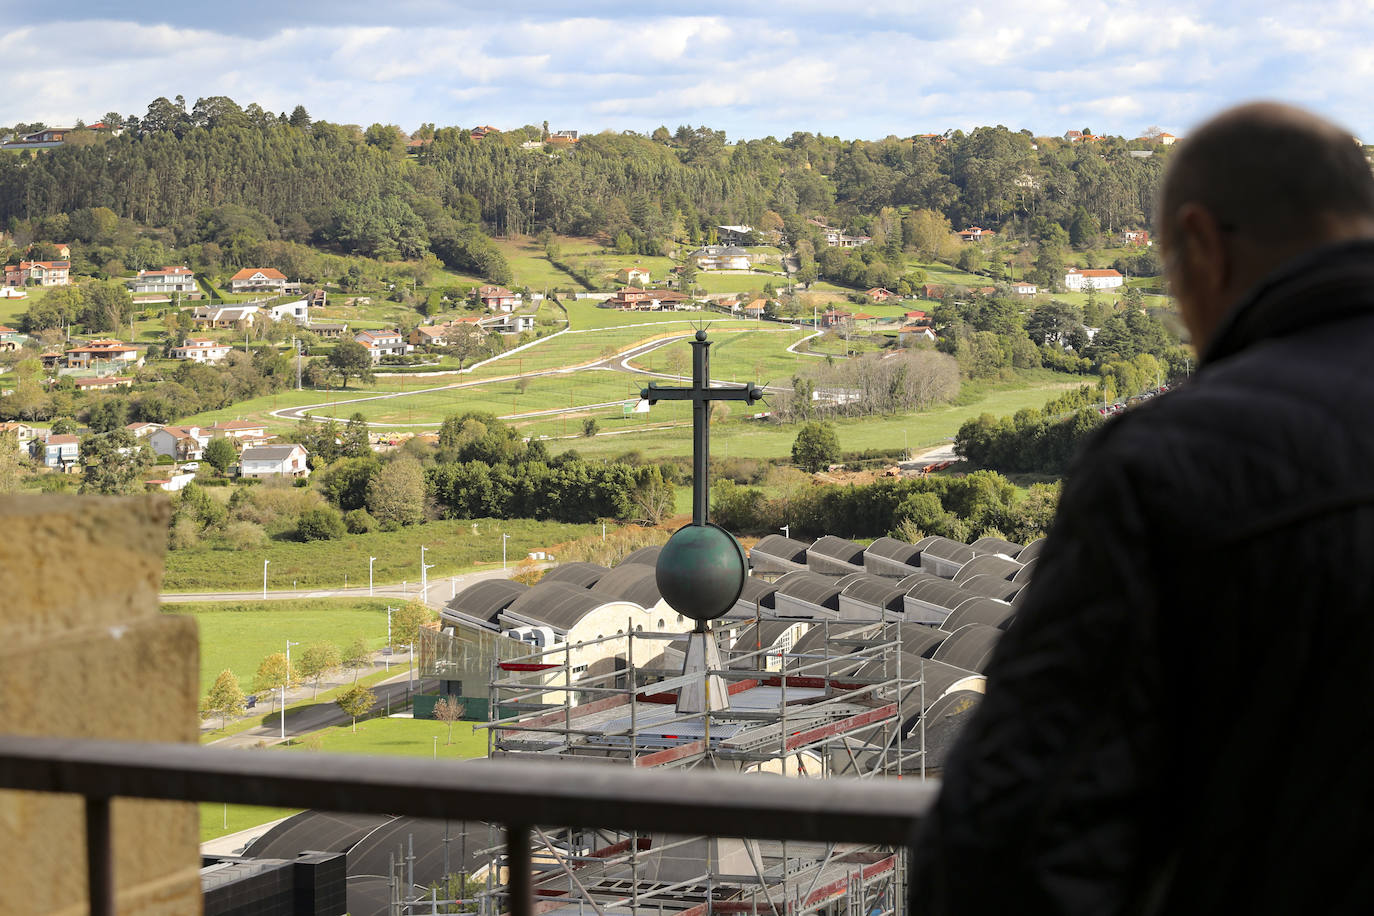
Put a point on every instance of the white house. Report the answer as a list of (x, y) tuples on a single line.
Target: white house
[(297, 311), (721, 257), (1078, 280), (181, 443), (1022, 288), (509, 324), (224, 316), (201, 350), (166, 281), (382, 343), (287, 460), (41, 273), (258, 280), (106, 350)]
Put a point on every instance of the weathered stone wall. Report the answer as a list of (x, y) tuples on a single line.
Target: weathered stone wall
[(85, 653)]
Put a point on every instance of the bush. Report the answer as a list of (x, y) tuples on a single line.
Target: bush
[(244, 536), (184, 535), (359, 521), (320, 524), (166, 459)]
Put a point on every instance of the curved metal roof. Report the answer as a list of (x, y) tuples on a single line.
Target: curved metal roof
[(987, 611), (369, 856), (759, 591), (811, 588), (578, 573), (895, 550), (631, 582), (906, 582), (557, 604), (991, 587), (938, 592), (969, 647), (879, 592), (984, 546), (837, 549), (646, 555), (945, 549), (1024, 574), (322, 831), (944, 721), (814, 639), (486, 599), (921, 640), (775, 545), (760, 636), (1031, 550), (990, 565)]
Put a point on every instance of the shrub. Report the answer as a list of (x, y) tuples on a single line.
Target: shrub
[(244, 536), (359, 521), (184, 535), (320, 524)]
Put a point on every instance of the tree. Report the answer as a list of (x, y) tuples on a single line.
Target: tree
[(448, 710), (316, 661), (271, 675), (357, 656), (350, 359), (11, 462), (406, 622), (589, 427), (355, 437), (816, 446), (323, 523), (396, 495), (225, 698), (220, 454), (112, 463), (355, 702)]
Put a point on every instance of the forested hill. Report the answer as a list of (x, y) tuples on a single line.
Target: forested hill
[(360, 191)]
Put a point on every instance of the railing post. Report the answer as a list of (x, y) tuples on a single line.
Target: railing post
[(99, 857), (519, 876)]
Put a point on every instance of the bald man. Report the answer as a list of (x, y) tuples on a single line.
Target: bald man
[(1181, 718)]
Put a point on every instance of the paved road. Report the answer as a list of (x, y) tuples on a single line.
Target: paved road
[(441, 588)]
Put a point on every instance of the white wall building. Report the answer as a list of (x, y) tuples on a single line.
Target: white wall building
[(1078, 280)]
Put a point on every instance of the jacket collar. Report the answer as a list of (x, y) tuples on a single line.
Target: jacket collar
[(1327, 284)]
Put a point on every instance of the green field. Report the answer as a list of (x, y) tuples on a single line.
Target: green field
[(454, 547), (239, 635), (385, 736)]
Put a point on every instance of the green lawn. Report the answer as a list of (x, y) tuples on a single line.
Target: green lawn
[(454, 547), (385, 736), (716, 283), (239, 635), (753, 439)]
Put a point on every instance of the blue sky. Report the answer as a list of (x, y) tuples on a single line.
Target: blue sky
[(857, 69)]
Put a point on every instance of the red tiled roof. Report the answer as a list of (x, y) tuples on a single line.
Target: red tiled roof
[(270, 273), (167, 272)]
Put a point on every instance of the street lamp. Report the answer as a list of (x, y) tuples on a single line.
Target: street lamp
[(424, 576), (370, 561), (264, 579), (504, 538), (289, 644), (786, 531)]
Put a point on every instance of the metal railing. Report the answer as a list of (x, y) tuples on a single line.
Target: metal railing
[(517, 793)]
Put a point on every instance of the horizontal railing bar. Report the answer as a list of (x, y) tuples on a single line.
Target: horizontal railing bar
[(517, 791)]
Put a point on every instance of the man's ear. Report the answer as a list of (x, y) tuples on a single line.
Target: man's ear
[(1204, 254)]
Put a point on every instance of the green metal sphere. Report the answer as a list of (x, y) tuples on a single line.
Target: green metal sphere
[(701, 571)]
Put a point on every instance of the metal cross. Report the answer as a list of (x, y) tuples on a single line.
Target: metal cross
[(701, 394)]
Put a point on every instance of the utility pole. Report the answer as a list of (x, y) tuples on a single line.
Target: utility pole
[(424, 576)]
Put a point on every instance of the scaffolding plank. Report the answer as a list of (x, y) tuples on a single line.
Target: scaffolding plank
[(831, 729)]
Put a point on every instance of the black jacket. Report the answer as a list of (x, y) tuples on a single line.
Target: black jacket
[(1181, 718)]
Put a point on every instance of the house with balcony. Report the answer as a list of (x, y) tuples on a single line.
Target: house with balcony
[(201, 350), (240, 430), (633, 276), (60, 452), (508, 324), (106, 351), (224, 316), (38, 273), (164, 281), (734, 235), (497, 298), (633, 299), (287, 460), (260, 280), (380, 344), (104, 383)]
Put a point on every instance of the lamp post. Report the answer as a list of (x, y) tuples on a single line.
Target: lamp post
[(283, 712), (424, 576), (786, 531), (370, 561), (504, 538), (264, 579), (289, 644)]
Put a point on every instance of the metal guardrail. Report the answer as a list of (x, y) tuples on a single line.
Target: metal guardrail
[(517, 793)]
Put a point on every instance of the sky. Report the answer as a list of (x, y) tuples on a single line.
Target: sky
[(862, 69)]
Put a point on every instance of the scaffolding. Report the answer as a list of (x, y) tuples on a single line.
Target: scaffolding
[(848, 706)]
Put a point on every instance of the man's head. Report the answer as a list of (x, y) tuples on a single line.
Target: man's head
[(1249, 190)]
